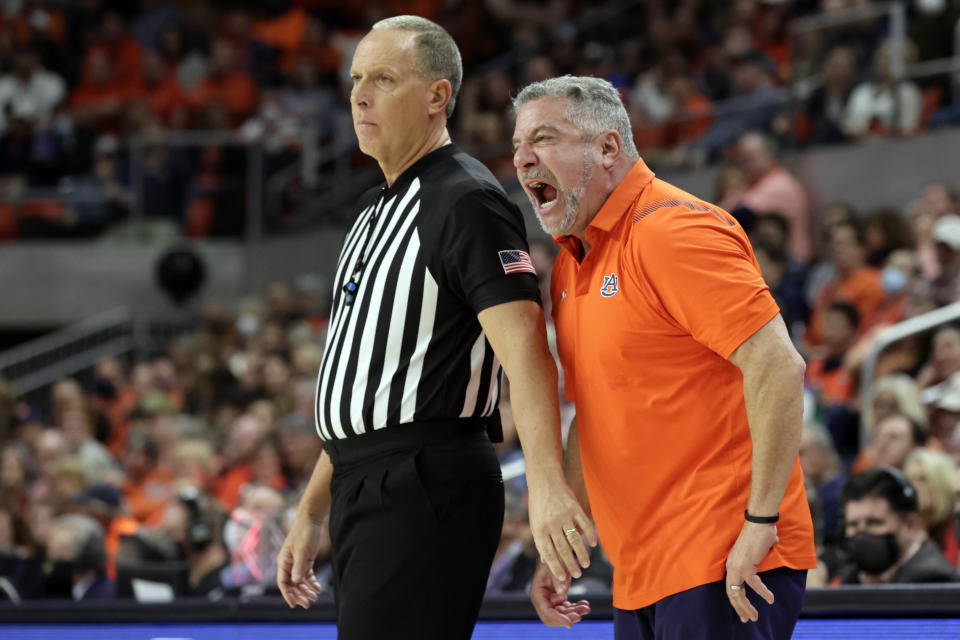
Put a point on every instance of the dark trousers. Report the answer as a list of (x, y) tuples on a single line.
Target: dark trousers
[(704, 613), (415, 519)]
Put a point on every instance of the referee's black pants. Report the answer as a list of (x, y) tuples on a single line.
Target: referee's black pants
[(415, 519)]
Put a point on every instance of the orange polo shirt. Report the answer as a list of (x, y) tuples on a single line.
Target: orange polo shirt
[(645, 325)]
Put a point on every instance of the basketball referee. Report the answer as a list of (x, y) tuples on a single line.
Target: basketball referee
[(434, 292)]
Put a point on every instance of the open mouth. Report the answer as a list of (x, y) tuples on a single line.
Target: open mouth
[(544, 194)]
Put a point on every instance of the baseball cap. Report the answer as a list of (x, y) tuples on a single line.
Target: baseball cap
[(101, 492)]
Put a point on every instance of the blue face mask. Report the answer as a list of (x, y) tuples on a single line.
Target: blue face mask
[(894, 280)]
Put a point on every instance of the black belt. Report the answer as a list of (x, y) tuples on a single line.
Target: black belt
[(411, 434)]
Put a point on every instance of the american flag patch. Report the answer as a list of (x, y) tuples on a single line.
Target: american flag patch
[(515, 261)]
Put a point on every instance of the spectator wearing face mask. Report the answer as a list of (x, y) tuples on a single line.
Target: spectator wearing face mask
[(884, 533)]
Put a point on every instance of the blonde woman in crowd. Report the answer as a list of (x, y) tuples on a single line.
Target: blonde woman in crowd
[(934, 475)]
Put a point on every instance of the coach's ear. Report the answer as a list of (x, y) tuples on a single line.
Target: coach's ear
[(611, 146)]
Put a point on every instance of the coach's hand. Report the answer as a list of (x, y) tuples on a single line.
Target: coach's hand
[(559, 526), (549, 598), (295, 577), (752, 546)]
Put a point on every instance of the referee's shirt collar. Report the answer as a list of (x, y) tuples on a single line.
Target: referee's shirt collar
[(617, 204), (418, 167)]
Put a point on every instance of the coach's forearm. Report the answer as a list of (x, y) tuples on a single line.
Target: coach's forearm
[(773, 394), (315, 502)]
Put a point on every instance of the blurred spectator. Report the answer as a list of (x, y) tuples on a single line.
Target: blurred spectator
[(755, 104), (300, 447), (937, 200), (897, 279), (822, 468), (77, 425), (827, 105), (855, 282), (152, 16), (827, 374), (19, 561), (30, 89), (227, 84), (893, 394), (944, 407), (771, 189), (148, 486), (873, 104), (161, 91), (786, 286), (896, 436), (884, 533), (935, 476), (166, 174), (17, 473), (215, 196), (945, 287), (76, 547), (944, 360), (194, 522), (97, 103), (515, 558), (101, 197), (115, 42), (104, 503), (884, 231), (244, 439)]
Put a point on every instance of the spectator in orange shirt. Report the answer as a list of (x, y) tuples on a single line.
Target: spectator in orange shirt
[(227, 84), (159, 88), (120, 47), (243, 442), (98, 102), (148, 486), (315, 44), (830, 380), (855, 282)]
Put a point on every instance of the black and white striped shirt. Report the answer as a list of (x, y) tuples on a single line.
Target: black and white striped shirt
[(409, 347)]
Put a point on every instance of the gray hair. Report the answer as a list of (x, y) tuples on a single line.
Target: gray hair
[(593, 105), (438, 53), (89, 543)]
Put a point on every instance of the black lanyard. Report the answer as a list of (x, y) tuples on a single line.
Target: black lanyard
[(353, 285)]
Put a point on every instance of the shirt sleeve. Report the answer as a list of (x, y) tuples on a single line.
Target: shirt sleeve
[(705, 275), (484, 258)]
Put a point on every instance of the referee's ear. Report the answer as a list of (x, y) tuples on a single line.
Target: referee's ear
[(440, 93), (611, 146)]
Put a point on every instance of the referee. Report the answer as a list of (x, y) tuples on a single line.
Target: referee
[(434, 291)]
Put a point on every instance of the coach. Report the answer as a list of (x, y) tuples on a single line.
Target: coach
[(434, 290), (688, 390)]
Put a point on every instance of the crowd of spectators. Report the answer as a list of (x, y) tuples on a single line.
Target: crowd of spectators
[(694, 74)]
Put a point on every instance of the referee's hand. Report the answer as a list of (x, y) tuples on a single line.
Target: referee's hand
[(550, 600), (559, 527), (298, 584)]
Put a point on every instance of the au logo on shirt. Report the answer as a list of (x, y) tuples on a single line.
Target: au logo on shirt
[(610, 286)]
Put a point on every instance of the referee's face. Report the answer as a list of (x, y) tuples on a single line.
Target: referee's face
[(390, 101), (555, 165)]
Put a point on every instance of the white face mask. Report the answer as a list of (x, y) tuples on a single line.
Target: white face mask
[(931, 7)]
